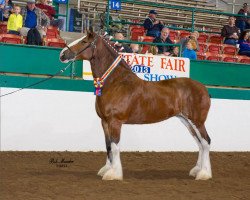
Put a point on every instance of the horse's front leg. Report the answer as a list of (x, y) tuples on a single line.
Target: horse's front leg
[(107, 166), (113, 168)]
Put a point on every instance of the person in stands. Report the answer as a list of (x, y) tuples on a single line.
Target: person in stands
[(119, 46), (6, 8), (164, 39), (244, 43), (135, 48), (243, 22), (194, 36), (15, 21), (230, 32), (175, 52), (189, 51), (152, 25), (50, 12), (34, 17)]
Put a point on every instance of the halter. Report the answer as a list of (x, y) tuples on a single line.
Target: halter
[(99, 82), (92, 44)]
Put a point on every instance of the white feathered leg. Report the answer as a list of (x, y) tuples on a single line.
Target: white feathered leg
[(193, 172), (105, 168), (115, 172), (205, 173)]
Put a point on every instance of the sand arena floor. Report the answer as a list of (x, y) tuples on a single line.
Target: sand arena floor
[(147, 176)]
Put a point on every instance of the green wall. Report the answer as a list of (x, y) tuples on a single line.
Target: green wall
[(22, 65)]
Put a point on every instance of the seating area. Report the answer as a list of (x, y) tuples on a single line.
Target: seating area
[(211, 46), (52, 38), (169, 15)]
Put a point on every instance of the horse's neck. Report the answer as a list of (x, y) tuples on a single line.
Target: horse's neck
[(104, 58)]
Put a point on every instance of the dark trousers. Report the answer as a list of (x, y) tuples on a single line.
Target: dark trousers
[(245, 53), (14, 32)]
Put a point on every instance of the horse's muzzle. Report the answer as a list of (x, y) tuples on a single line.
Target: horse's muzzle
[(66, 56)]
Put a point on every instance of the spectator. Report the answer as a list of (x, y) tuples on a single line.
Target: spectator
[(15, 21), (135, 48), (152, 25), (244, 43), (189, 50), (6, 6), (153, 50), (119, 46), (243, 22), (33, 18), (175, 52), (194, 36), (50, 12), (2, 3), (164, 39), (230, 32)]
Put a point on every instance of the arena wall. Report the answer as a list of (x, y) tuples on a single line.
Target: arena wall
[(49, 120)]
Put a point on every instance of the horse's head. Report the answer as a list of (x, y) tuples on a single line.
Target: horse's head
[(82, 48)]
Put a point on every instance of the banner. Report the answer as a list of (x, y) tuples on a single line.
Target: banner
[(155, 68), (151, 67)]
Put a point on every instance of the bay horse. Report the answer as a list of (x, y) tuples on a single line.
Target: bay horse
[(127, 99)]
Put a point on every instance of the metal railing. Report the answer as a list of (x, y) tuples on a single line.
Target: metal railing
[(164, 5)]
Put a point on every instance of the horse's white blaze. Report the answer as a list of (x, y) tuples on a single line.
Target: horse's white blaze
[(70, 45), (115, 173), (105, 168)]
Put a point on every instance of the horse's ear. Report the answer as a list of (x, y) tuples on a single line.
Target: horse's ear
[(90, 33), (91, 30)]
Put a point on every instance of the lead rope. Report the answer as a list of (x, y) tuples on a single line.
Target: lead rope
[(38, 82)]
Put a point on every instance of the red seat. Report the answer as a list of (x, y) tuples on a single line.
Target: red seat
[(136, 32), (229, 49), (55, 42), (173, 35), (217, 39), (228, 58), (214, 48), (201, 56), (203, 47), (243, 59), (52, 32), (212, 56), (203, 38), (10, 38), (3, 27), (184, 34), (145, 47)]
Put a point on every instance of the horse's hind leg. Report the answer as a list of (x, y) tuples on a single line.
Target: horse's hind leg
[(113, 168), (205, 172), (107, 166), (202, 169), (193, 172)]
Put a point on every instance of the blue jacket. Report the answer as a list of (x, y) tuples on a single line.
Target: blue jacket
[(189, 53), (244, 45)]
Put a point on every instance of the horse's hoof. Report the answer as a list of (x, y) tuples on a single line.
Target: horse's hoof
[(193, 172), (112, 175), (103, 170), (203, 175)]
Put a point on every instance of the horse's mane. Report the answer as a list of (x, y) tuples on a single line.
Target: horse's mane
[(114, 51)]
